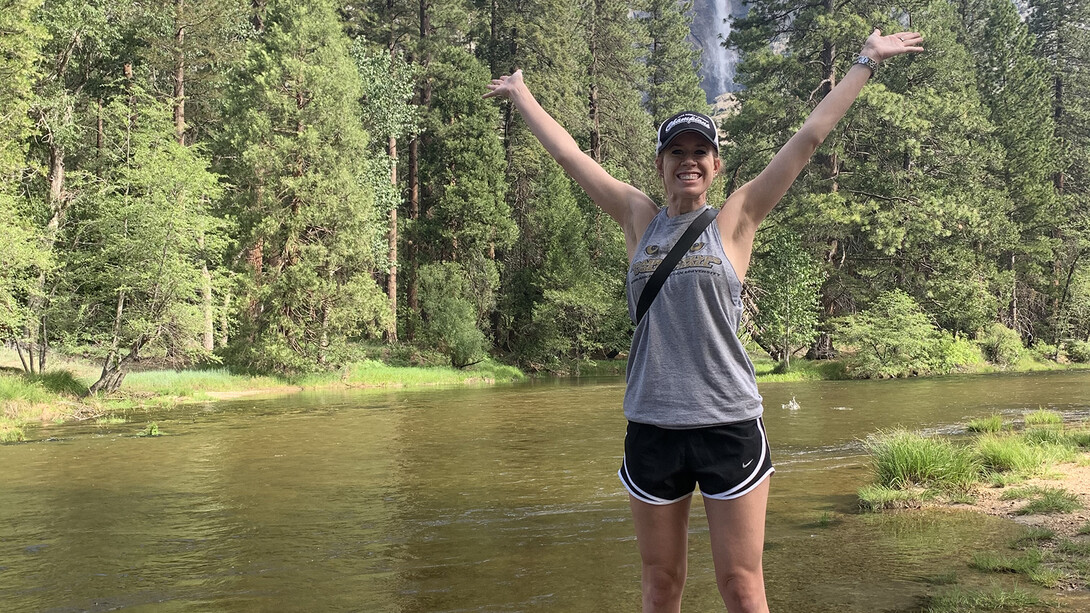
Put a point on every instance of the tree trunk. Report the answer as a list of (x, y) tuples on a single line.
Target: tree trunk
[(391, 279), (209, 336), (111, 365), (179, 72)]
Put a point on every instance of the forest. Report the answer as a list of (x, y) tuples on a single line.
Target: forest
[(281, 186)]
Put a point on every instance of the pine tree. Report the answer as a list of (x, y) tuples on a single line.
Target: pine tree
[(673, 62), (310, 228)]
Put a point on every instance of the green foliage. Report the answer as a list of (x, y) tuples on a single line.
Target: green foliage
[(786, 280), (308, 220), (1001, 345), (152, 429), (673, 62), (893, 338), (904, 459), (1078, 351), (450, 319)]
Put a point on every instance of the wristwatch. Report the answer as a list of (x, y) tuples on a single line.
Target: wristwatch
[(869, 63)]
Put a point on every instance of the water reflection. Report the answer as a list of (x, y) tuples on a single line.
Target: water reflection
[(485, 499)]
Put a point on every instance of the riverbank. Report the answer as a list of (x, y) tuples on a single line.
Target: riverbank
[(1034, 471), (56, 396)]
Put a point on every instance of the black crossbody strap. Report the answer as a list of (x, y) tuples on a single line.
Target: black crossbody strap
[(654, 284)]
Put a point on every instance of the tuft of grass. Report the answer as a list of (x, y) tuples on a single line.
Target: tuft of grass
[(1032, 536), (152, 429), (1076, 548), (1042, 417), (1047, 577), (1044, 500), (110, 421), (905, 459), (959, 600), (997, 563), (878, 497), (1008, 453), (993, 423), (1079, 438), (1085, 528), (10, 432)]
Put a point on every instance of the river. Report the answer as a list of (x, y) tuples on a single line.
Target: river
[(490, 499)]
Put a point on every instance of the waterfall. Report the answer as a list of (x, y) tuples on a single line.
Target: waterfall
[(711, 26)]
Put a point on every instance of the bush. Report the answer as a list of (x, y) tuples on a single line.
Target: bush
[(895, 338), (450, 317), (1001, 345), (1078, 351), (1044, 352)]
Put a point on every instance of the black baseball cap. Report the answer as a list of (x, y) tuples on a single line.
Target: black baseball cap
[(687, 121)]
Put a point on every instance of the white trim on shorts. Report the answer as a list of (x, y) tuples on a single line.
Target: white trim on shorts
[(749, 483), (641, 495)]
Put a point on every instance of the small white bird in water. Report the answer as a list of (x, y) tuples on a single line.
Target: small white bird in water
[(793, 405)]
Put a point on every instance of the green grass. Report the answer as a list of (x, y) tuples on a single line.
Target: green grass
[(996, 563), (770, 371), (993, 423), (1033, 536), (1008, 453), (903, 459), (996, 600), (370, 373), (185, 383), (1075, 548), (1085, 528), (11, 431), (152, 429), (1042, 417), (879, 497), (1043, 500)]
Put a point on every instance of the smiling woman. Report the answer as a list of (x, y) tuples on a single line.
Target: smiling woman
[(691, 399)]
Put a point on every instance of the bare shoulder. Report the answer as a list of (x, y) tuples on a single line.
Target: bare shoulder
[(641, 209)]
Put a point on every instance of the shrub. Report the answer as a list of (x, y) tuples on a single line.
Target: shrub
[(1001, 345), (450, 317), (1044, 352), (894, 338), (904, 459), (1078, 351)]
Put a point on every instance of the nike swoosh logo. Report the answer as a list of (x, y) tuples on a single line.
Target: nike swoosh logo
[(746, 465)]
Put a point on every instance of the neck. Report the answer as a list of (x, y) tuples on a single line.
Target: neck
[(679, 205)]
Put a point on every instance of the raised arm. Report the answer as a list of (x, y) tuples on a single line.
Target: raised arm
[(751, 203), (627, 205)]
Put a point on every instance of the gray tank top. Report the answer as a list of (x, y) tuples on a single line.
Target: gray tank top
[(687, 368)]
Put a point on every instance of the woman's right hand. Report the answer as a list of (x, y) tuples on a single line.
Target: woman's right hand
[(505, 85)]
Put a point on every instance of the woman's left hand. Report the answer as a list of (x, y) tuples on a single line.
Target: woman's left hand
[(878, 47)]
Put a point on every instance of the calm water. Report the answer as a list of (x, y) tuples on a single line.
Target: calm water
[(489, 499)]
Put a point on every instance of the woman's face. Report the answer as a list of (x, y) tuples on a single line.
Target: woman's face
[(688, 165)]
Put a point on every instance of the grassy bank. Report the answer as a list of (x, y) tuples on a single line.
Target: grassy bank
[(1006, 468), (56, 395)]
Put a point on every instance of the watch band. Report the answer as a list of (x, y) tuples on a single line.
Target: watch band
[(869, 63)]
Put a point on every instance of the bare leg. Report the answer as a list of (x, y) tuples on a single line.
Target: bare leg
[(738, 532), (662, 532)]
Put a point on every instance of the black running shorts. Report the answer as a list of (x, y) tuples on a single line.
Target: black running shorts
[(663, 466)]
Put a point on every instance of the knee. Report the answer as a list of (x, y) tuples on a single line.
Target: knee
[(663, 585), (743, 591)]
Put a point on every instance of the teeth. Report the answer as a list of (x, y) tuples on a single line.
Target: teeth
[(688, 176)]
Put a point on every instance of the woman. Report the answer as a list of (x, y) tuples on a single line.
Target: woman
[(691, 397)]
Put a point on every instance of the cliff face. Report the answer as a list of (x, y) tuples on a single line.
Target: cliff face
[(711, 26)]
